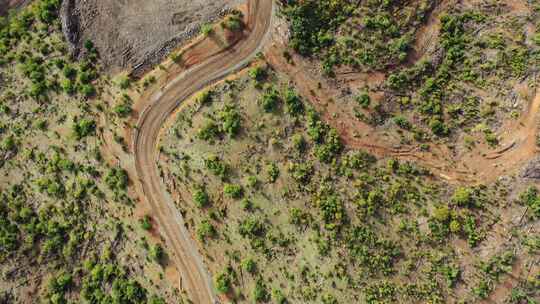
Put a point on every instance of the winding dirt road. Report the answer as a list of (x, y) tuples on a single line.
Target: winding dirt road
[(195, 277), (480, 165)]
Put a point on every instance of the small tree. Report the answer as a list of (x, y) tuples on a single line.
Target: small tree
[(273, 172), (462, 197), (146, 223), (233, 191), (201, 198), (223, 282), (260, 294), (249, 265)]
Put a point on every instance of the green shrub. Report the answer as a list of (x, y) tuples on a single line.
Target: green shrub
[(124, 82), (278, 296), (206, 230), (223, 282), (491, 138), (61, 283), (463, 197), (299, 142), (332, 210), (53, 187), (247, 204), (87, 90), (216, 166), (68, 86), (260, 294), (41, 124), (231, 120), (258, 74), (47, 10), (363, 99), (177, 58), (442, 214), (252, 181), (206, 97), (438, 127), (249, 265), (381, 292), (84, 77), (69, 72), (273, 172), (201, 198), (455, 226), (84, 127), (149, 80), (38, 91), (471, 230), (117, 179), (157, 254), (402, 122), (123, 109), (452, 275), (483, 289), (233, 191), (209, 131), (301, 172), (207, 29), (270, 100), (312, 23), (293, 102), (331, 148), (233, 23), (251, 227), (89, 45), (9, 144), (328, 299), (298, 217), (531, 199), (146, 223)]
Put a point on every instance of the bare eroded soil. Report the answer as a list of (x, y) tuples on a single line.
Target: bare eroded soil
[(135, 34)]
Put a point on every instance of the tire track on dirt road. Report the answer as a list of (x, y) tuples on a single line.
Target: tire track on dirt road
[(195, 277)]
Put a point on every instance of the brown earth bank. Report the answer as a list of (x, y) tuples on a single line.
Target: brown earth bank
[(136, 34)]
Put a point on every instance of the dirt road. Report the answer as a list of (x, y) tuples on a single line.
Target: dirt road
[(195, 277), (479, 165)]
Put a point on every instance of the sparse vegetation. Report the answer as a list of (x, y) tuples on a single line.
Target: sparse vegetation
[(280, 177), (309, 190), (63, 218)]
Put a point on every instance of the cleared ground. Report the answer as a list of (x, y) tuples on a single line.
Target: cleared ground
[(138, 33)]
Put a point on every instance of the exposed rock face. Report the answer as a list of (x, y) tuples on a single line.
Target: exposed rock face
[(136, 34), (532, 169), (69, 17), (6, 5)]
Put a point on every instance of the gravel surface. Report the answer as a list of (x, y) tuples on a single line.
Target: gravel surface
[(532, 169), (6, 5), (136, 34)]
